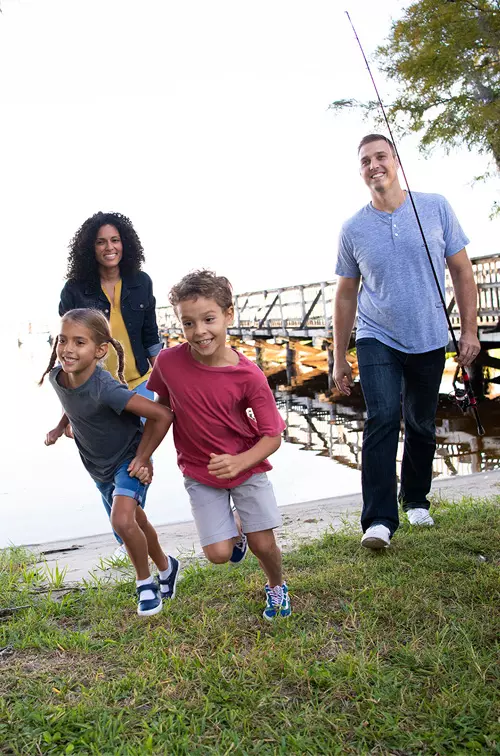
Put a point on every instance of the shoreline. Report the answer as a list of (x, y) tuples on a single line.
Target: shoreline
[(301, 522)]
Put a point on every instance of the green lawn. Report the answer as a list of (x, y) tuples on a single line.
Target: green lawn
[(388, 653)]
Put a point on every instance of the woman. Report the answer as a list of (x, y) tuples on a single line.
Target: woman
[(104, 272)]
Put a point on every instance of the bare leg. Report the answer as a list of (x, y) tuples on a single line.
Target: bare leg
[(263, 545), (220, 553), (237, 522), (123, 520), (155, 551)]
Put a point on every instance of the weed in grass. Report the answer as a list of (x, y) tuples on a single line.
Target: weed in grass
[(54, 576), (31, 575)]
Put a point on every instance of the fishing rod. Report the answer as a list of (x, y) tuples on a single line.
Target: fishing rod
[(464, 397)]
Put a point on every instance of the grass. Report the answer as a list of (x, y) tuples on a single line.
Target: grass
[(389, 653)]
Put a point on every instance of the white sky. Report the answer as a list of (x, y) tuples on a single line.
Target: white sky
[(206, 122)]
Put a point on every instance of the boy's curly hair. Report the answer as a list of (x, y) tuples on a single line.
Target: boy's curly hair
[(203, 283), (82, 264)]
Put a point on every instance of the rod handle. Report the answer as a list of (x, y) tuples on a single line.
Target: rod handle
[(480, 429)]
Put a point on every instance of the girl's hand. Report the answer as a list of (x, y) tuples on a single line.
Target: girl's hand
[(53, 435), (141, 469), (225, 466)]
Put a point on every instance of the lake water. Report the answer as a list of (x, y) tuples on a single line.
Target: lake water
[(46, 494)]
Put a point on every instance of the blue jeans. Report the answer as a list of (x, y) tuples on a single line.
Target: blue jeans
[(106, 499), (392, 380)]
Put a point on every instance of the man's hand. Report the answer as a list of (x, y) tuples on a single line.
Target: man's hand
[(225, 465), (342, 375), (469, 347), (53, 435), (141, 469), (68, 431)]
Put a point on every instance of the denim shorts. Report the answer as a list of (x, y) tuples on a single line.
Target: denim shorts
[(122, 485)]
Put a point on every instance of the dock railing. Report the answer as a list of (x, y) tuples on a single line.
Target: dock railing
[(305, 311)]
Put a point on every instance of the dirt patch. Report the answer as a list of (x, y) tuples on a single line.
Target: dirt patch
[(69, 666)]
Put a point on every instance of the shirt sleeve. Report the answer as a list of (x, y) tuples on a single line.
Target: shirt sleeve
[(454, 237), (263, 405), (150, 336), (67, 300), (114, 394), (156, 382), (346, 262)]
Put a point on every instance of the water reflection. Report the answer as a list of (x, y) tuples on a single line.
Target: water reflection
[(47, 495), (334, 429)]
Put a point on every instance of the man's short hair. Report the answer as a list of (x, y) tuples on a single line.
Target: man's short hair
[(376, 138)]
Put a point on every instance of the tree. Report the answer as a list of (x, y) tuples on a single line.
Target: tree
[(444, 55)]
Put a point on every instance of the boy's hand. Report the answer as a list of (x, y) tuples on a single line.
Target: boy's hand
[(145, 475), (141, 469), (53, 435), (225, 466)]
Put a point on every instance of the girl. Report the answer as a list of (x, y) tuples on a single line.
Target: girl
[(105, 417), (104, 272)]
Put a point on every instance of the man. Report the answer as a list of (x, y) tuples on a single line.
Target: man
[(401, 333)]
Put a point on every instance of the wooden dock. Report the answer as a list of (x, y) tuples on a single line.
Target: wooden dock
[(288, 331)]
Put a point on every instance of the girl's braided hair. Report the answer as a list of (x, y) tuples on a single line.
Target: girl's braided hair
[(98, 326)]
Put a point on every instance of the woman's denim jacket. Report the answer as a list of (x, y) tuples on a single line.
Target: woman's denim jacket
[(137, 306)]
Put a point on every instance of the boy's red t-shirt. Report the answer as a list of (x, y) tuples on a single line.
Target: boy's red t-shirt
[(210, 411)]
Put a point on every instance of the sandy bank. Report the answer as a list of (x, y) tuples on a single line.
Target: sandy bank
[(300, 522)]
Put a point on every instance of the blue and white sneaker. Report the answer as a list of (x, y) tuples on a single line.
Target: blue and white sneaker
[(239, 550), (278, 602), (147, 607), (169, 585)]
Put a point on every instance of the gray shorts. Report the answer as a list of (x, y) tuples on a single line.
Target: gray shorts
[(254, 501)]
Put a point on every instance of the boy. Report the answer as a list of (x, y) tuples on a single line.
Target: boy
[(221, 451)]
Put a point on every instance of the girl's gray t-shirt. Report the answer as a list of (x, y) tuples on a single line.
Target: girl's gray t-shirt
[(398, 302), (105, 434)]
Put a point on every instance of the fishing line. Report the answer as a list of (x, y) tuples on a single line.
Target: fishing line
[(464, 397)]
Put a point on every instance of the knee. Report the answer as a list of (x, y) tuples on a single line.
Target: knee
[(384, 418), (218, 553), (426, 427), (122, 523), (262, 546)]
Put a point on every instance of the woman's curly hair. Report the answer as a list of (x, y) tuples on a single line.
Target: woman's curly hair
[(82, 264)]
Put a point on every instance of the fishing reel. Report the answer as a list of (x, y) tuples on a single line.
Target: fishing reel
[(463, 396), (459, 395)]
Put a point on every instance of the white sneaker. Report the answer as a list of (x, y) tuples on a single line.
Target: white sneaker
[(120, 552), (419, 516), (376, 537)]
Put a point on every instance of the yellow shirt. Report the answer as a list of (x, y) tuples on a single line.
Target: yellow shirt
[(120, 333)]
